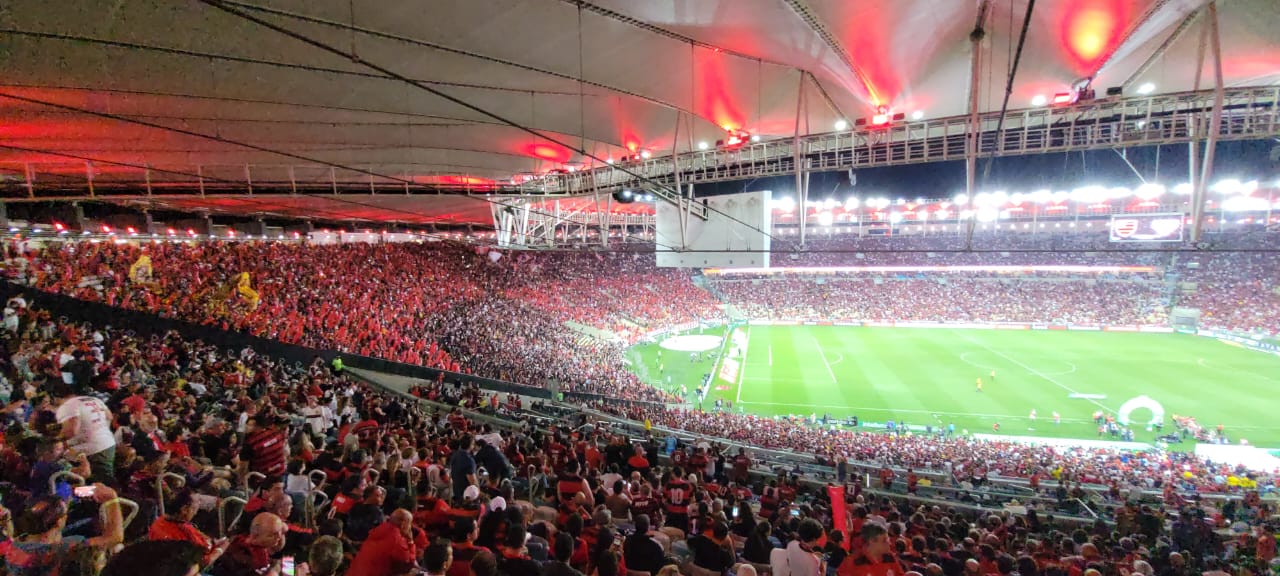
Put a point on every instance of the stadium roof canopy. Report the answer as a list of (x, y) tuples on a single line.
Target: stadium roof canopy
[(243, 93)]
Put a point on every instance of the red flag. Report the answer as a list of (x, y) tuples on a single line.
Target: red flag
[(839, 515)]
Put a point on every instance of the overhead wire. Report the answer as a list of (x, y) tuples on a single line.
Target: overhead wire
[(1004, 106), (230, 9), (255, 147)]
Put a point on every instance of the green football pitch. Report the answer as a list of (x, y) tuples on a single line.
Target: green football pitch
[(929, 377)]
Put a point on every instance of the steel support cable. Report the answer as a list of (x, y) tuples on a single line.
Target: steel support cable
[(1004, 108), (226, 7), (224, 140)]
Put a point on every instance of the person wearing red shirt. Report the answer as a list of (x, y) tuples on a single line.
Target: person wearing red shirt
[(698, 463), (787, 491), (741, 465), (465, 532), (264, 448), (676, 496), (638, 463), (1265, 548), (912, 481), (389, 550), (251, 553), (875, 558), (176, 525)]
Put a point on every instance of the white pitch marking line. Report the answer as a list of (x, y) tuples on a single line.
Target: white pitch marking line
[(1204, 364), (817, 345), (964, 357), (841, 359), (742, 366), (1048, 378), (771, 354)]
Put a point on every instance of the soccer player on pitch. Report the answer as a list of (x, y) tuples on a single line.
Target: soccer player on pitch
[(979, 384)]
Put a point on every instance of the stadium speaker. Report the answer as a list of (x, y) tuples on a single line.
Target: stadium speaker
[(1115, 91)]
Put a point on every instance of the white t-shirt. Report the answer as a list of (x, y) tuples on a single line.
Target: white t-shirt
[(802, 563), (93, 424), (314, 416)]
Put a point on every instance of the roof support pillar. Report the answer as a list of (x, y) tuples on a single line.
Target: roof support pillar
[(30, 176), (802, 193), (675, 173), (973, 132), (88, 175), (1215, 124), (78, 212), (4, 215)]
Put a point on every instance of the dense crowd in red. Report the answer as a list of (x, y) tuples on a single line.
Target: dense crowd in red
[(440, 305)]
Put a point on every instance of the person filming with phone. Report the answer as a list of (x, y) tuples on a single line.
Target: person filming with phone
[(41, 548)]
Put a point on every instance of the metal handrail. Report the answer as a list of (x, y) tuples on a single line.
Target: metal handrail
[(310, 510), (414, 475), (125, 502), (222, 518), (71, 477), (1086, 507), (182, 482), (250, 476), (317, 484)]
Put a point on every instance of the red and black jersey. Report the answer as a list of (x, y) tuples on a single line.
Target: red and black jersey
[(556, 453), (568, 486), (643, 505), (264, 450), (677, 495)]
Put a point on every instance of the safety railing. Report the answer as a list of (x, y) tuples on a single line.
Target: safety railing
[(69, 476), (222, 513), (179, 482)]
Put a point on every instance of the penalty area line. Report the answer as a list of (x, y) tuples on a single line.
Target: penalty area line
[(818, 346), (1046, 377)]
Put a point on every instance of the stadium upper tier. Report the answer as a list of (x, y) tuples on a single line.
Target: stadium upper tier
[(451, 306)]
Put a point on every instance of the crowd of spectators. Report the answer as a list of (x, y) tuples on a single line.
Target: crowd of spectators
[(951, 298), (414, 490), (441, 305)]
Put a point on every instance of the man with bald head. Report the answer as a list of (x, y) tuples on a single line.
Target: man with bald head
[(251, 553), (297, 538), (389, 550)]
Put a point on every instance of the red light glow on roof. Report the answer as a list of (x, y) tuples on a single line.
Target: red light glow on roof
[(548, 152)]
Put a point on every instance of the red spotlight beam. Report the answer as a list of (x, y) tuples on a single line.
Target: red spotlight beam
[(225, 7)]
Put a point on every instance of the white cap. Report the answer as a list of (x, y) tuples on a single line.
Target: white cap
[(471, 493), (498, 503)]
